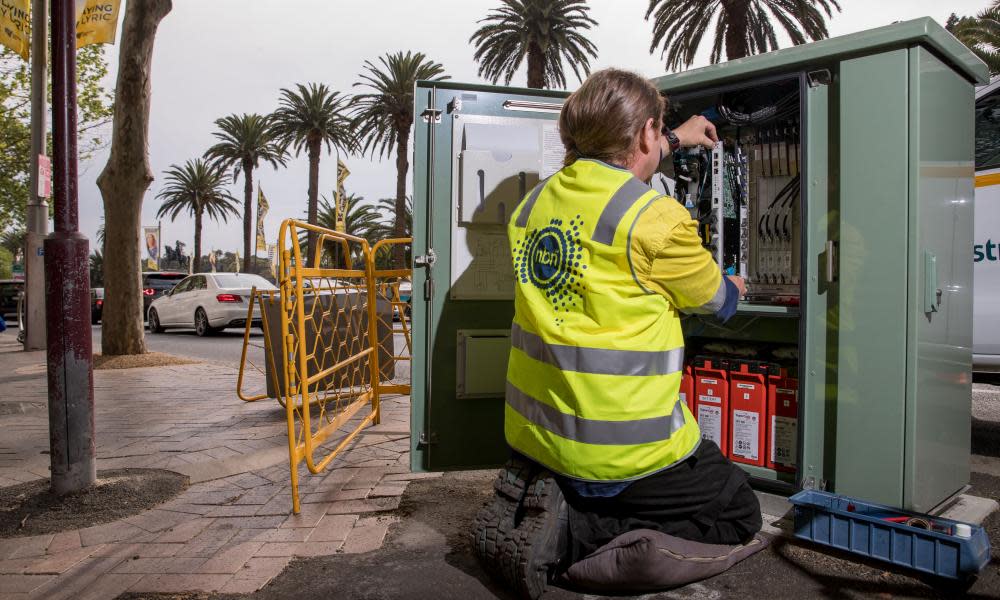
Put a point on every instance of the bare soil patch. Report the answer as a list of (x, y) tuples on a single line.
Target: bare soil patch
[(135, 361), (32, 509)]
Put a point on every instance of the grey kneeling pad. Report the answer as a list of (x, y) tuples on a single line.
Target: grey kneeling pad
[(646, 560)]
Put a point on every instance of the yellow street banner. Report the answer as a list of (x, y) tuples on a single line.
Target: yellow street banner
[(262, 208), (341, 201), (15, 25), (96, 21)]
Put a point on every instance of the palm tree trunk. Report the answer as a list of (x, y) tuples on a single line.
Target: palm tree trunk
[(247, 215), (402, 167), (536, 66), (735, 13), (315, 146), (197, 241)]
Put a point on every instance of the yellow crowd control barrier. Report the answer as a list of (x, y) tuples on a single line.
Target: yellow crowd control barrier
[(329, 339), (395, 287), (329, 326), (263, 300)]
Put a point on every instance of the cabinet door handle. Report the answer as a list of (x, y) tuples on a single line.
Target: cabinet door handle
[(830, 264), (932, 295)]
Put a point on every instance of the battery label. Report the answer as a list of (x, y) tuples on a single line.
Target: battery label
[(710, 423), (711, 399), (745, 386), (709, 381), (746, 434), (783, 439)]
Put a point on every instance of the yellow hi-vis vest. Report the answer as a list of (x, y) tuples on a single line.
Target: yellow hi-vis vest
[(595, 364)]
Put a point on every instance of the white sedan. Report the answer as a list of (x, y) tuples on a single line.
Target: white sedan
[(208, 302)]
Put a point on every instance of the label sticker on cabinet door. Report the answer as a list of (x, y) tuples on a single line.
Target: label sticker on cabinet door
[(783, 439), (710, 423), (746, 434)]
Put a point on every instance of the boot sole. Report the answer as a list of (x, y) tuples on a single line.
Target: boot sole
[(530, 552), (498, 518)]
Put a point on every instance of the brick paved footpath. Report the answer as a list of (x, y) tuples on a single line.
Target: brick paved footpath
[(232, 530)]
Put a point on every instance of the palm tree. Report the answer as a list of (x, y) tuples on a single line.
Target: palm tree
[(197, 188), (244, 141), (743, 27), (360, 219), (383, 117), (387, 207), (96, 269), (308, 119), (981, 34), (386, 229), (546, 31)]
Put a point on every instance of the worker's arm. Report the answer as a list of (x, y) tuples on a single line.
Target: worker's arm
[(668, 259)]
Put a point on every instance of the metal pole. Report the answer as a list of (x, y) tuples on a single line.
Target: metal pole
[(67, 281), (38, 208)]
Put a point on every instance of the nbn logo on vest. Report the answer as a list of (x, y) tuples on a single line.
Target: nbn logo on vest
[(988, 251)]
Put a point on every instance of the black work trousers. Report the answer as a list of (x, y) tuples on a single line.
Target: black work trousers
[(705, 498)]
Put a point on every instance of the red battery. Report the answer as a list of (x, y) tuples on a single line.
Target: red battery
[(711, 390), (747, 411), (687, 388), (783, 416)]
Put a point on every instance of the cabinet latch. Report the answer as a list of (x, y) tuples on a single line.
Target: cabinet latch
[(431, 113)]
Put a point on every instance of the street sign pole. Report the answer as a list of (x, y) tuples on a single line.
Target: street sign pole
[(38, 208), (67, 282)]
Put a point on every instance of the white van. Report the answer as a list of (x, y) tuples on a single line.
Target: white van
[(986, 244)]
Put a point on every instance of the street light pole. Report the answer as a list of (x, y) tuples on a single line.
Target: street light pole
[(67, 282), (38, 208)]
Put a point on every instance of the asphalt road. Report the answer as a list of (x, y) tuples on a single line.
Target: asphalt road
[(224, 347)]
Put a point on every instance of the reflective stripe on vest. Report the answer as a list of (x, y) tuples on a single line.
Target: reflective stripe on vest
[(597, 360), (591, 431)]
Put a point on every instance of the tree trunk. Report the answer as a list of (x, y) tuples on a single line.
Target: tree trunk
[(248, 237), (315, 146), (125, 179), (735, 13), (197, 240), (402, 167), (536, 66)]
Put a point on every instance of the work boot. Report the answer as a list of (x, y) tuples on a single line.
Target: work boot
[(534, 551), (497, 519)]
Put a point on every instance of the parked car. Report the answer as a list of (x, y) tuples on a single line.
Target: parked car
[(157, 283), (208, 302), (96, 305), (985, 250), (10, 289)]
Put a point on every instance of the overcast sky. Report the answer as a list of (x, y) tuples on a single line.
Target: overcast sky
[(217, 57)]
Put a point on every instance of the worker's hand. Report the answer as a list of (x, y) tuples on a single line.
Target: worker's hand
[(697, 131), (740, 283)]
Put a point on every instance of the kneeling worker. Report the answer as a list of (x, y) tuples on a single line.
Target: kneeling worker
[(604, 265)]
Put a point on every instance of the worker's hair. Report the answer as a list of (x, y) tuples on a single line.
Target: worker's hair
[(603, 118)]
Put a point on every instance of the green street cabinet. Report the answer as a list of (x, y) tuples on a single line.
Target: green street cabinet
[(842, 191)]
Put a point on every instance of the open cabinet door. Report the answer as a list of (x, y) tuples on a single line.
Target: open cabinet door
[(477, 151)]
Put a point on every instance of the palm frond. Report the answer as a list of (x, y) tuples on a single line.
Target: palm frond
[(553, 28), (196, 187), (741, 29), (312, 112)]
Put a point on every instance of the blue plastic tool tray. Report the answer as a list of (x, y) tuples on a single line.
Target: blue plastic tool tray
[(861, 528)]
